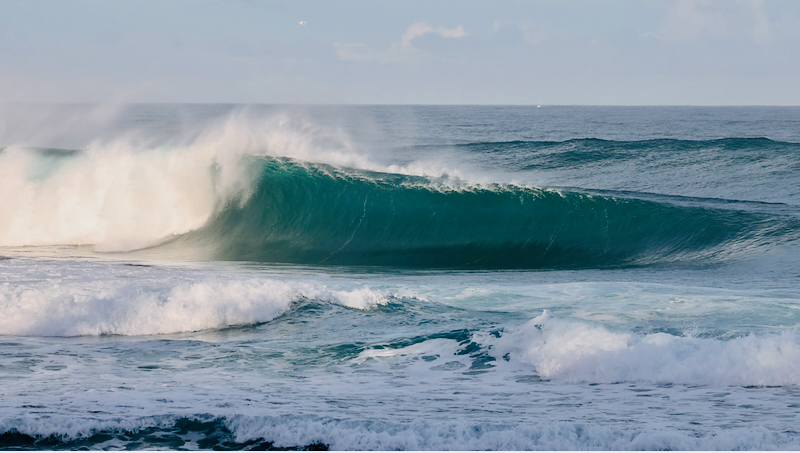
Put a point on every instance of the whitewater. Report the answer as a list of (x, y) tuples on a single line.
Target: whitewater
[(399, 277)]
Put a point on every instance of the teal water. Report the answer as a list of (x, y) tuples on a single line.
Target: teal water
[(268, 277), (306, 214)]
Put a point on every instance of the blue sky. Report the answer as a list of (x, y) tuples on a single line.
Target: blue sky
[(680, 52)]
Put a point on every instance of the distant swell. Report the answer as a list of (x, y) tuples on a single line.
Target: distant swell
[(317, 214), (732, 143), (527, 155)]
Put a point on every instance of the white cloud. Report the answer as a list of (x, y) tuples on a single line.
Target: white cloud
[(403, 50), (498, 24), (418, 29)]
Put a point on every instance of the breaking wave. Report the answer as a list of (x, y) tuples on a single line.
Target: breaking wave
[(133, 309), (573, 351), (243, 199)]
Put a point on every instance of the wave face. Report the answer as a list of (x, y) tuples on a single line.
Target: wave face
[(318, 214)]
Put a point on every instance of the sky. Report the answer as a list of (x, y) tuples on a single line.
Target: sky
[(589, 52)]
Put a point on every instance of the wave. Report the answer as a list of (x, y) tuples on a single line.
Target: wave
[(572, 351), (226, 198), (318, 214), (128, 192), (239, 432), (119, 309)]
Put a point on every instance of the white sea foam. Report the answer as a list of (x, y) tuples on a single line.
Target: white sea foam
[(576, 351), (360, 299), (113, 196), (119, 309), (438, 346)]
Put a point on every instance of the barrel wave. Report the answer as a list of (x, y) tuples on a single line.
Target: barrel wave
[(318, 214)]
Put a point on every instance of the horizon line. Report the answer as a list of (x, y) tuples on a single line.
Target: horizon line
[(305, 104)]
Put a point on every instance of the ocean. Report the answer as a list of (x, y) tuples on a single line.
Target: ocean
[(399, 277)]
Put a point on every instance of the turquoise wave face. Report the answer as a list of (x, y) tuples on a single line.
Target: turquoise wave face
[(317, 214)]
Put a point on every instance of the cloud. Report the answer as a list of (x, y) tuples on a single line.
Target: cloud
[(418, 29), (403, 50)]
